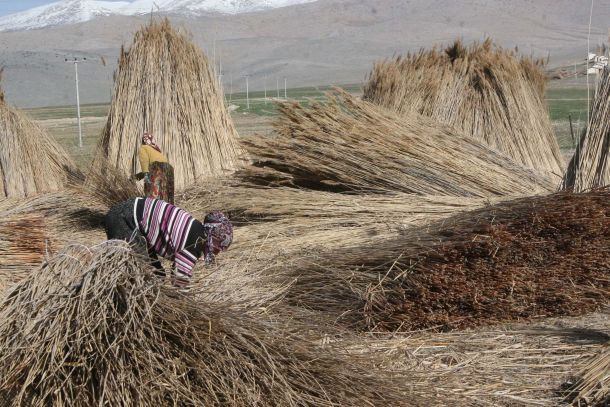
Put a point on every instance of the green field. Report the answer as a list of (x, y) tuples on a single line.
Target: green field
[(563, 102)]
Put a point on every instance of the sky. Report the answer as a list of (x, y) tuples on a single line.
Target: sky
[(15, 6)]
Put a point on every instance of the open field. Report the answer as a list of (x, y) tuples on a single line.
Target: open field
[(565, 99)]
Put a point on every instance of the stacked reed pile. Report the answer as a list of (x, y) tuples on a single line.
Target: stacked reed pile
[(32, 161), (346, 145), (589, 167), (484, 91), (532, 257), (24, 241), (165, 85), (93, 326), (592, 387)]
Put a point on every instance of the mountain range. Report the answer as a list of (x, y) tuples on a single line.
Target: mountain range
[(315, 43), (79, 11)]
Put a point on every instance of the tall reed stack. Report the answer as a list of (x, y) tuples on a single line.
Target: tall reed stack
[(482, 90), (346, 144), (589, 167), (165, 85), (31, 161)]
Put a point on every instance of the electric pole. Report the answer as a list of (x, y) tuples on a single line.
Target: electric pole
[(76, 61), (247, 94)]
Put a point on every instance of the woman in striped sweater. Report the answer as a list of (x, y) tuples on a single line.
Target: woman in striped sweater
[(162, 229)]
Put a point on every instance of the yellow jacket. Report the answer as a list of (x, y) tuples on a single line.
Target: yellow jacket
[(149, 155)]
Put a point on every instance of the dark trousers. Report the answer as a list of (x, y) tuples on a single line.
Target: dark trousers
[(120, 225)]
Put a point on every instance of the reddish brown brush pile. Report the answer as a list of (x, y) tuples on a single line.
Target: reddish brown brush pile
[(532, 257)]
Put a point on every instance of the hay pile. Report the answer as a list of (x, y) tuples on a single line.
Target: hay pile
[(484, 91), (589, 167), (165, 85), (346, 145), (532, 257), (31, 161), (93, 326)]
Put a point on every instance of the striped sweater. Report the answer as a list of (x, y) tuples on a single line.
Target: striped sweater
[(172, 233)]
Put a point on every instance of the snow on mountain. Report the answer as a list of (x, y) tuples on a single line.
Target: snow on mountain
[(77, 11)]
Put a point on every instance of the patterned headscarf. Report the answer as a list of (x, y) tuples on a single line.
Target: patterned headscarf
[(147, 138), (219, 235)]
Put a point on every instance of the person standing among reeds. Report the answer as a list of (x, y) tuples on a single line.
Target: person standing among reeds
[(157, 173), (169, 232)]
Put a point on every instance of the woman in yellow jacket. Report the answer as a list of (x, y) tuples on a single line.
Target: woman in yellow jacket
[(157, 173)]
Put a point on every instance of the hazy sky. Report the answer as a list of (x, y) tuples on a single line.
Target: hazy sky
[(14, 6)]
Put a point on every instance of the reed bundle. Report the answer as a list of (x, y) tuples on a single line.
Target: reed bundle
[(589, 167), (532, 257), (165, 85), (592, 387), (31, 161), (24, 241), (484, 91), (346, 144), (93, 326)]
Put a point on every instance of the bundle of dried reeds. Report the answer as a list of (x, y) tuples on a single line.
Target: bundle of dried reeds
[(24, 241), (484, 91), (536, 256), (592, 387), (164, 85), (93, 326), (31, 161), (589, 167), (346, 144)]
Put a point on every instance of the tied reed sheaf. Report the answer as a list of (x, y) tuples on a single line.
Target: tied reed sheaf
[(93, 326), (164, 85), (531, 257), (589, 167), (346, 145), (31, 161), (24, 241), (592, 387), (484, 91)]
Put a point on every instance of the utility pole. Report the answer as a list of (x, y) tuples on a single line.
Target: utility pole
[(277, 85), (75, 61), (285, 93), (265, 81), (247, 93)]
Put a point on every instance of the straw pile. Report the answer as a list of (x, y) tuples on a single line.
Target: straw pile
[(532, 257), (165, 85), (589, 167), (593, 385), (482, 90), (24, 242), (30, 160), (346, 145), (94, 327)]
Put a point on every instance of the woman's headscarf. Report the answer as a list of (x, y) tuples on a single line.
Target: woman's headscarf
[(147, 138), (219, 234)]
